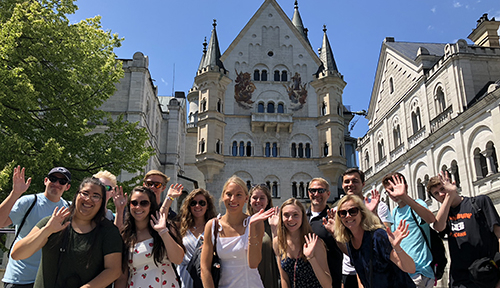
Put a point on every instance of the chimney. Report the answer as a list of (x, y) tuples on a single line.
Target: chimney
[(486, 32)]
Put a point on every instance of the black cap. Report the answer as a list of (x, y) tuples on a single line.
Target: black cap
[(61, 170)]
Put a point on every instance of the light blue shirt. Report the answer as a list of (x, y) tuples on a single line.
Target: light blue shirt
[(414, 245), (24, 271)]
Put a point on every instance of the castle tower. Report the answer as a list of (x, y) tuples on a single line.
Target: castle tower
[(210, 82)]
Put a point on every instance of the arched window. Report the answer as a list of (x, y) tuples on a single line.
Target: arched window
[(234, 149), (380, 147), (301, 150), (420, 189), (367, 160), (217, 147), (242, 148), (219, 106), (325, 149), (293, 151), (416, 120), (249, 185), (491, 158), (275, 190), (268, 149), (276, 75), (455, 176), (275, 149), (281, 108), (323, 109), (391, 85), (203, 105), (440, 100), (301, 190), (263, 76), (308, 150), (270, 107), (397, 136), (284, 76), (260, 107), (256, 75), (294, 189), (202, 145), (249, 149), (480, 163)]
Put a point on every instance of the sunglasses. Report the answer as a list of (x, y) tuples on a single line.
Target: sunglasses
[(316, 190), (54, 179), (150, 184), (353, 212), (202, 203), (142, 203), (108, 187)]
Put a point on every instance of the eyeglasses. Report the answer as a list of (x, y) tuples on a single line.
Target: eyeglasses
[(108, 187), (202, 203), (93, 197), (353, 212), (142, 203), (54, 179), (150, 184), (316, 190)]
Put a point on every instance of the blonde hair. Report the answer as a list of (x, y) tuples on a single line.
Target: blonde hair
[(369, 221), (321, 181), (282, 232), (159, 173), (265, 190), (106, 174), (236, 180)]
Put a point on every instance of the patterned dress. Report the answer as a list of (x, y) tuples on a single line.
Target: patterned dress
[(300, 273), (143, 271)]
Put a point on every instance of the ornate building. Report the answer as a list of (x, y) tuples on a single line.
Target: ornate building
[(269, 110), (436, 107)]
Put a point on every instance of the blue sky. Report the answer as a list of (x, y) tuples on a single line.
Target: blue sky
[(171, 33)]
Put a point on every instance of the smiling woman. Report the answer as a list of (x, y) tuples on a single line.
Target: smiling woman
[(85, 247)]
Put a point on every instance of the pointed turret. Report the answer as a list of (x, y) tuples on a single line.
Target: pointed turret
[(204, 54), (297, 21), (328, 65), (212, 55)]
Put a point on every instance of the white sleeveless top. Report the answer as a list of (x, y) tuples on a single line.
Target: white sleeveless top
[(235, 271)]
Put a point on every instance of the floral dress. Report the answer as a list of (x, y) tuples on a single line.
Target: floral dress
[(143, 271)]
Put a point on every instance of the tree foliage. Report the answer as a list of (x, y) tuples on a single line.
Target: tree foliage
[(54, 76)]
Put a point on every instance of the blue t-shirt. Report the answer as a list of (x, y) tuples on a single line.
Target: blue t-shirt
[(24, 271), (414, 245), (385, 273)]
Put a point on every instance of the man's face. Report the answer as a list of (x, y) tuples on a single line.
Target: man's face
[(55, 189), (438, 192), (155, 183), (318, 199), (352, 185)]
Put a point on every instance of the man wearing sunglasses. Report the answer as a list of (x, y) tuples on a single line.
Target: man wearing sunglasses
[(25, 212), (157, 181), (319, 192)]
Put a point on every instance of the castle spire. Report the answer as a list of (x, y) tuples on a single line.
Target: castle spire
[(297, 20), (212, 55), (204, 54), (326, 56)]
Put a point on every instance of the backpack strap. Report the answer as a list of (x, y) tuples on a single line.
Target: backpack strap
[(22, 222), (421, 230)]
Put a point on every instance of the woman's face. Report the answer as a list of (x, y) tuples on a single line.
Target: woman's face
[(350, 214), (198, 206), (88, 201), (234, 197), (139, 206), (291, 217), (258, 200)]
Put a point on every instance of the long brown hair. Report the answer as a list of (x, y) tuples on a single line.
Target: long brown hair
[(186, 216), (282, 232), (265, 190)]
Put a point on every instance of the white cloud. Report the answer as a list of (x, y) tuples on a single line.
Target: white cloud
[(457, 4), (433, 9), (164, 82), (430, 27)]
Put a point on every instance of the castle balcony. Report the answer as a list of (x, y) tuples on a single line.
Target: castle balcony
[(368, 172), (441, 119), (362, 141), (381, 163), (272, 122), (416, 138), (398, 151)]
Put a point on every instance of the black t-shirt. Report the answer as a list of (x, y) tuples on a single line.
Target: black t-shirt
[(470, 236), (334, 254)]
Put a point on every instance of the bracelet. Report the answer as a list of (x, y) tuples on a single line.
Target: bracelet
[(250, 243), (397, 252), (309, 258), (163, 231), (170, 197)]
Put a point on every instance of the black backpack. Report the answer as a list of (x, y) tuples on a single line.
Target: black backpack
[(437, 248)]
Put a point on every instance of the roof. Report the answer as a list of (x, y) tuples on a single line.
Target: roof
[(409, 49)]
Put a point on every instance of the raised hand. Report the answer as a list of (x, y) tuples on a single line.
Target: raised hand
[(398, 235), (449, 187), (373, 203), (19, 185), (175, 190), (308, 249), (274, 218), (329, 221), (398, 185), (55, 223), (261, 215), (119, 198), (159, 222)]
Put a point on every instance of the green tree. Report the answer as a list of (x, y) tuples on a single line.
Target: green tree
[(54, 76)]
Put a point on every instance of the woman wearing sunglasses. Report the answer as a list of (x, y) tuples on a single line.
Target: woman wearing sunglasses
[(260, 198), (198, 207), (80, 247), (374, 251), (301, 254), (152, 244)]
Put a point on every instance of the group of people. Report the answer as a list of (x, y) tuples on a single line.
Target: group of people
[(358, 243)]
